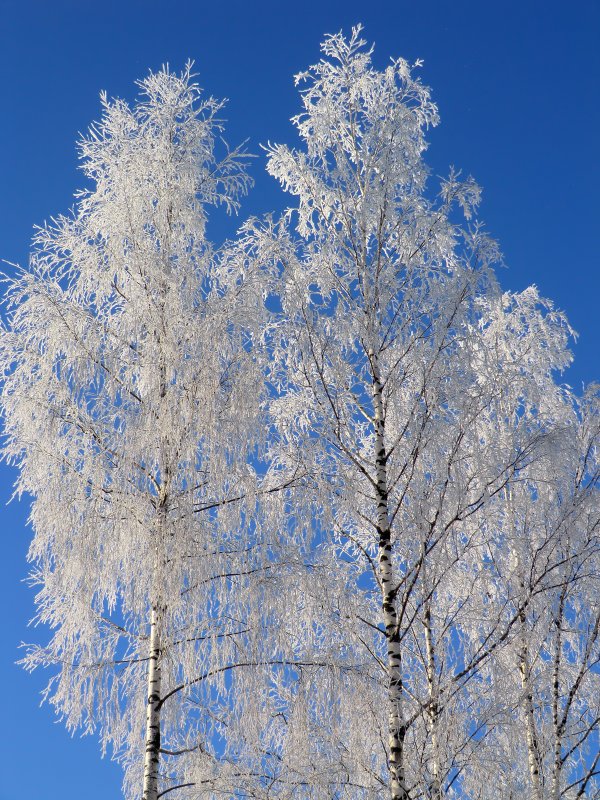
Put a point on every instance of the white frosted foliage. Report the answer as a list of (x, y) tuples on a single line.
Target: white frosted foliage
[(131, 406), (347, 548), (413, 396)]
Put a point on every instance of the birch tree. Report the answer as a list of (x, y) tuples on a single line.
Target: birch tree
[(545, 681), (131, 410), (401, 603), (412, 393)]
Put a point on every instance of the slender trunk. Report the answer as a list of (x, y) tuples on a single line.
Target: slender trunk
[(153, 686), (152, 754), (433, 708), (153, 702), (534, 760), (396, 726), (533, 752), (557, 724)]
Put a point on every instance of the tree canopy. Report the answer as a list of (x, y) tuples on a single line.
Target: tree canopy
[(313, 515)]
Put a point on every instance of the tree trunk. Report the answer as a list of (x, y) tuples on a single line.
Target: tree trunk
[(533, 752), (153, 731), (557, 724), (433, 707), (152, 754), (396, 727)]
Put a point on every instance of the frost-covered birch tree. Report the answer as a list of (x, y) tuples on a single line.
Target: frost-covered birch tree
[(413, 393), (131, 410), (385, 586), (544, 683)]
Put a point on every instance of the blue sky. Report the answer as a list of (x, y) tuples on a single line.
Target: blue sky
[(517, 87)]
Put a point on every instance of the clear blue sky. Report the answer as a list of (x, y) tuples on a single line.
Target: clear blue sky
[(517, 86)]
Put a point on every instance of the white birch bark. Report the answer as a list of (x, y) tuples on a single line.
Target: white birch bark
[(396, 726), (152, 748), (557, 724), (153, 699), (433, 708), (533, 752)]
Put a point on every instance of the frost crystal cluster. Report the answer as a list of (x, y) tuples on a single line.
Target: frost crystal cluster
[(345, 548)]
